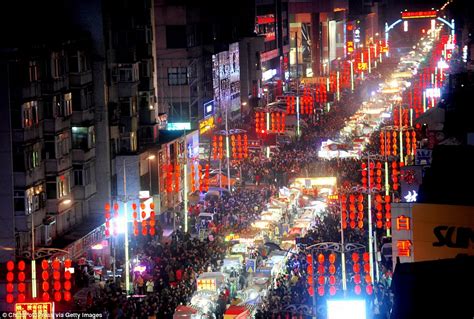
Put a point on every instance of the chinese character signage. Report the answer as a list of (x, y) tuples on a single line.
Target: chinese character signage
[(206, 284), (37, 310), (418, 14), (362, 66)]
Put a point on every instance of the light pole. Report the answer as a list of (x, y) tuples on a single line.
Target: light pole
[(127, 258)]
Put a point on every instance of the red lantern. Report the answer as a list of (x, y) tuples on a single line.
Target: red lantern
[(321, 291), (21, 297), (355, 257), (320, 258), (357, 279), (321, 280), (44, 275), (45, 296), (67, 296), (357, 289), (332, 290), (332, 280), (45, 286), (57, 285), (67, 285), (57, 296)]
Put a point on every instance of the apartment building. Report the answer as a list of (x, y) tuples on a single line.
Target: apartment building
[(49, 141)]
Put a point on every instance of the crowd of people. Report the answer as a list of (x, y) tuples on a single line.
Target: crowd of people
[(172, 267)]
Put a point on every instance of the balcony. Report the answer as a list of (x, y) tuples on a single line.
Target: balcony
[(127, 89), (29, 134), (80, 79), (57, 124), (55, 85), (85, 115), (84, 192), (32, 177), (33, 89), (130, 123), (80, 155), (54, 166), (57, 206)]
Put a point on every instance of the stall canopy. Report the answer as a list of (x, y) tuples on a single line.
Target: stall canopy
[(237, 312), (183, 312)]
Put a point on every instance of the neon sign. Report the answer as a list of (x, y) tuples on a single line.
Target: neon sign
[(419, 14)]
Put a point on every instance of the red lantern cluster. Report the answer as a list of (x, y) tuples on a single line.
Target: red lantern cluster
[(382, 143), (193, 178), (378, 175), (410, 142), (172, 178), (360, 211), (21, 286), (371, 174), (260, 122), (144, 221), (152, 221), (168, 173), (388, 213), (310, 274), (357, 276), (57, 281), (291, 105), (344, 211), (217, 147), (321, 278), (321, 94), (107, 219), (45, 280), (332, 272), (395, 174), (364, 174), (67, 280), (135, 219), (277, 122), (378, 214), (306, 102), (203, 178), (368, 279), (352, 210), (394, 141), (239, 144), (9, 286)]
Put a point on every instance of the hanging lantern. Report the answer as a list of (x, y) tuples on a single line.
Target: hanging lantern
[(382, 143), (369, 289), (357, 289), (355, 257), (344, 211), (394, 141), (177, 178), (320, 258), (206, 176)]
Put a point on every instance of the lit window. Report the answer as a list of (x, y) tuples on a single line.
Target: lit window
[(178, 76)]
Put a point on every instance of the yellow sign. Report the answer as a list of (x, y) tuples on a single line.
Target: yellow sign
[(37, 310), (206, 125), (206, 284), (362, 66)]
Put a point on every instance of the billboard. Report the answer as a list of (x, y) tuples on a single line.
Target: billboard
[(226, 79), (431, 231)]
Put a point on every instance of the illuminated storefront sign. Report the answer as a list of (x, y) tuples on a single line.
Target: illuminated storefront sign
[(208, 108), (403, 222), (178, 126), (433, 92), (362, 66), (206, 125), (34, 310), (419, 14), (268, 74)]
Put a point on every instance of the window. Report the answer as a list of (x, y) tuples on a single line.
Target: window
[(29, 114), (67, 104), (145, 68), (176, 36), (32, 157), (78, 178), (83, 137), (63, 144), (62, 105), (133, 141), (19, 200), (178, 76), (57, 66), (33, 71), (63, 185), (78, 62)]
